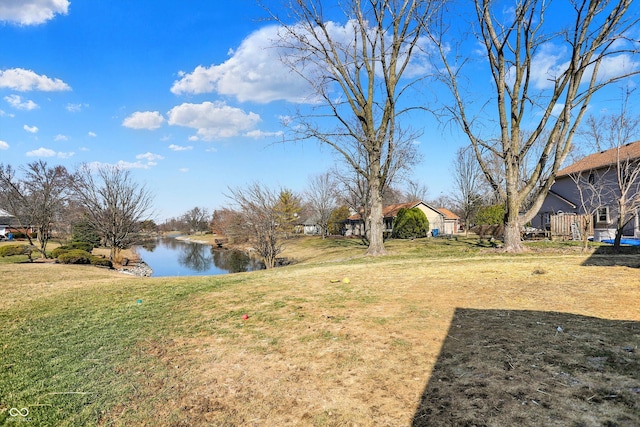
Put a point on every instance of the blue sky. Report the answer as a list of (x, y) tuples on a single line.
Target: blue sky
[(187, 94)]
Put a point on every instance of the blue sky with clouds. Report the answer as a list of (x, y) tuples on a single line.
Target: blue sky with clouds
[(187, 94)]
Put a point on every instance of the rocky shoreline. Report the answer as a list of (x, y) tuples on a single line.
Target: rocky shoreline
[(136, 268)]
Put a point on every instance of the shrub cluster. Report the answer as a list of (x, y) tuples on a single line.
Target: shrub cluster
[(490, 215), (75, 256), (10, 250), (410, 223), (101, 262), (83, 246), (79, 253)]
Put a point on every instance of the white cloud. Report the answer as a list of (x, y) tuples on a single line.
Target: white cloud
[(183, 170), (551, 62), (174, 147), (123, 164), (134, 165), (25, 80), (92, 134), (548, 65), (41, 152), (65, 155), (131, 165), (75, 108), (258, 134), (16, 102), (32, 12), (30, 129), (144, 161), (254, 73), (149, 157), (144, 120), (4, 145), (213, 120), (60, 137), (613, 66)]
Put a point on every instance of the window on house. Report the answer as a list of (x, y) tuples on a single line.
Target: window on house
[(603, 214), (592, 178)]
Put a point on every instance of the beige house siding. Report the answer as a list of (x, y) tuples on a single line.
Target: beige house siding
[(441, 219)]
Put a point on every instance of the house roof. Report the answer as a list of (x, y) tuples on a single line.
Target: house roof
[(563, 199), (448, 214), (603, 159), (390, 211), (6, 218)]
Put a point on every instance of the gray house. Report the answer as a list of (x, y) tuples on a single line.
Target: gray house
[(6, 221), (590, 185)]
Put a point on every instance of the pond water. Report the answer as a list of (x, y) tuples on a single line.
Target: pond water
[(171, 257)]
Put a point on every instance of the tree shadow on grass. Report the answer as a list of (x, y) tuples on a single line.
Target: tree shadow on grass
[(606, 256), (534, 368)]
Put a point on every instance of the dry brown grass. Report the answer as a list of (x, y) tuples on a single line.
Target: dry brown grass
[(318, 351)]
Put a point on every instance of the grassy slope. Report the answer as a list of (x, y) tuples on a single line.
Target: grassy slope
[(83, 346)]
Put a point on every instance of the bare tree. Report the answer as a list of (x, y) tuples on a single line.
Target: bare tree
[(36, 199), (590, 194), (468, 180), (258, 208), (357, 78), (608, 131), (197, 219), (228, 222), (322, 197), (628, 191), (552, 105), (415, 191), (354, 193), (612, 133), (114, 204)]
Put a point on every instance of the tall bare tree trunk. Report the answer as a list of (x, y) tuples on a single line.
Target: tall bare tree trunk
[(537, 122), (358, 84), (512, 238), (512, 220), (375, 221)]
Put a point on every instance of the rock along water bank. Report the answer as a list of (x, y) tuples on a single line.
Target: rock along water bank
[(137, 268)]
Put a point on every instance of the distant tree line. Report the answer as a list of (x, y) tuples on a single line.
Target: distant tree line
[(100, 205)]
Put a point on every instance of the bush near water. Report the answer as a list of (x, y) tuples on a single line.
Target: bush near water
[(79, 253)]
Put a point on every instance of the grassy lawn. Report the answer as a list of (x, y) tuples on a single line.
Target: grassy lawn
[(439, 332)]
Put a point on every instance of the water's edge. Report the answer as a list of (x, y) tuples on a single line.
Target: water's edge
[(137, 268)]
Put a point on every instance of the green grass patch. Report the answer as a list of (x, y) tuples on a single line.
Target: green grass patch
[(73, 358)]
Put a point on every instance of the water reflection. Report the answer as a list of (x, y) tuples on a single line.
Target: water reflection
[(171, 257)]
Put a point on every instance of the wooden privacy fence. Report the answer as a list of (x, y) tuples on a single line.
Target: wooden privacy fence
[(561, 226)]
